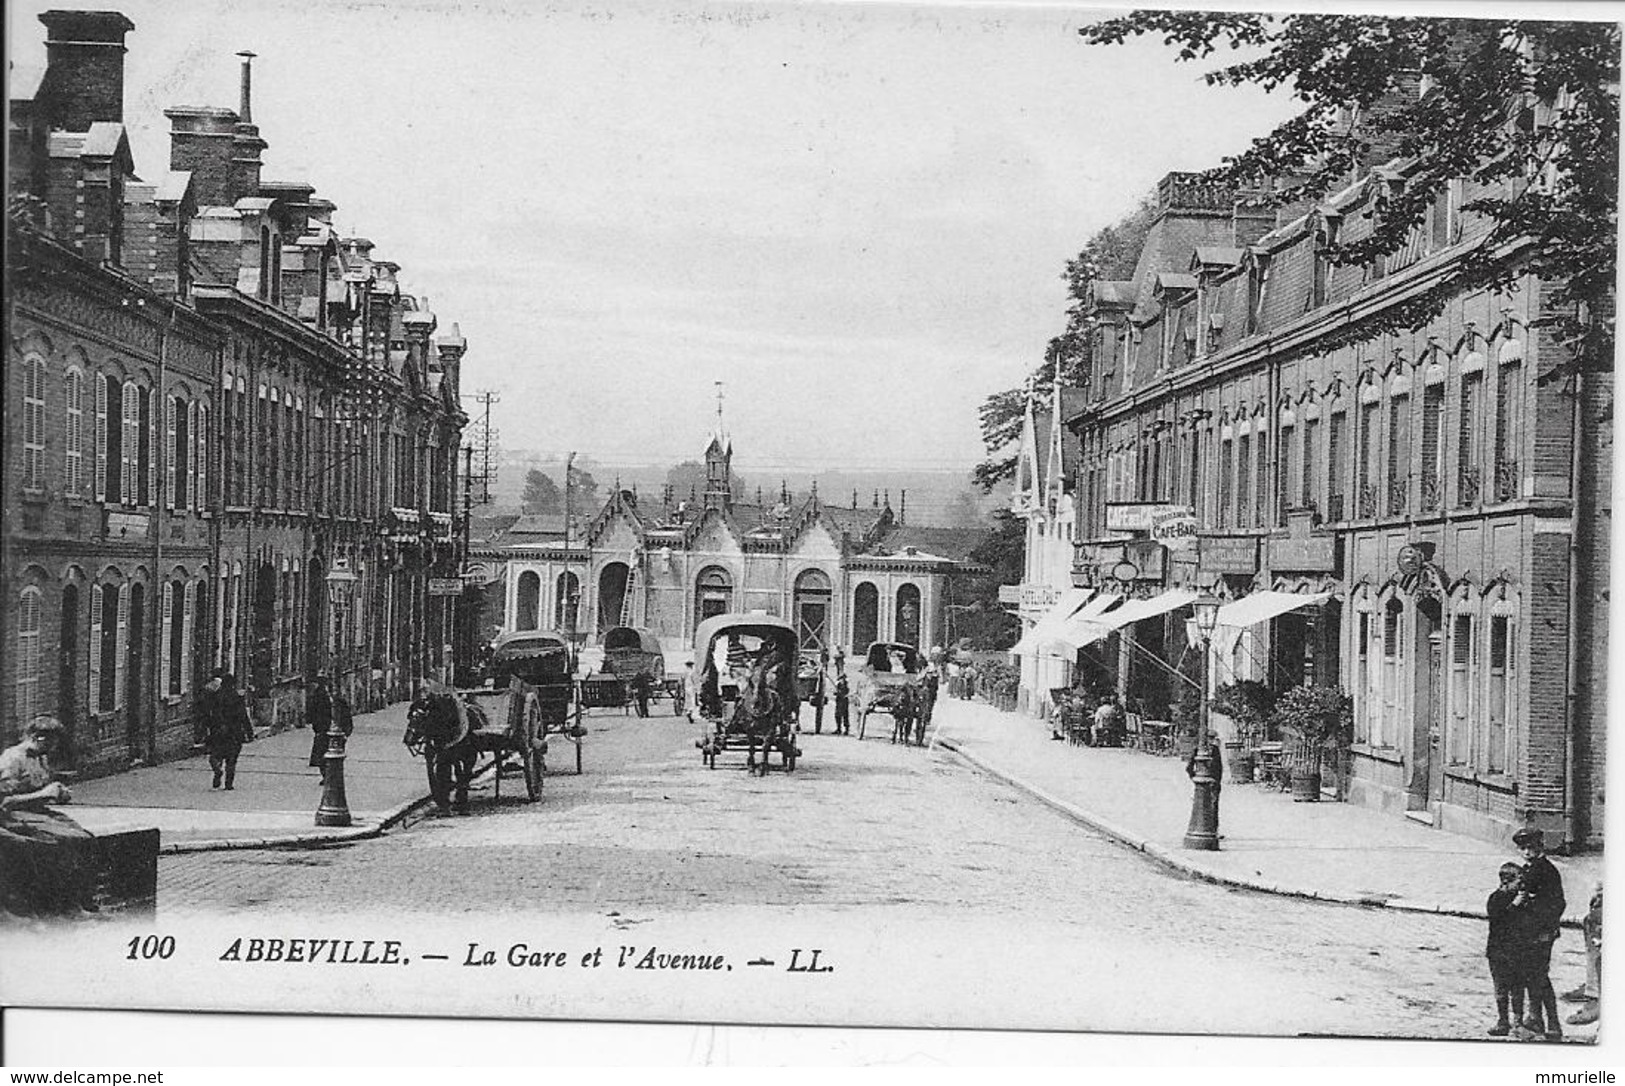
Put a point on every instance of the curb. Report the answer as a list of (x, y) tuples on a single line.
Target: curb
[(313, 839), (1169, 859)]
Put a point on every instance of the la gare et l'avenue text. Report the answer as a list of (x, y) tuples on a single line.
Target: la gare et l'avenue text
[(515, 955)]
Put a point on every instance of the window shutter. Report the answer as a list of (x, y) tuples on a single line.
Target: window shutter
[(96, 705), (149, 399), (128, 434), (189, 603), (191, 454), (101, 437), (165, 673), (119, 643), (200, 493), (169, 455)]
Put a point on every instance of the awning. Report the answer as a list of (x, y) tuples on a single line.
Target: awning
[(1050, 624), (1086, 629), (1258, 607)]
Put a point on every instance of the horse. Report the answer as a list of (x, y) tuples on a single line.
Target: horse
[(441, 726), (902, 714), (763, 705)]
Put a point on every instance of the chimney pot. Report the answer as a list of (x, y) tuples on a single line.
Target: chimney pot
[(84, 75)]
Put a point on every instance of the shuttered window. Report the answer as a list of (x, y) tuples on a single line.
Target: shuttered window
[(129, 445), (1399, 454), (1310, 462), (1458, 745), (169, 669), (1501, 695), (1226, 480), (107, 393), (146, 463), (33, 424), (1469, 475), (29, 607), (73, 445), (200, 492), (1432, 447), (1337, 469), (1287, 443), (1244, 480)]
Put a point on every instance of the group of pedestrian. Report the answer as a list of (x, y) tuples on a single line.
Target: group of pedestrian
[(1525, 918), (962, 680)]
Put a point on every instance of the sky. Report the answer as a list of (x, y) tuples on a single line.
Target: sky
[(853, 215)]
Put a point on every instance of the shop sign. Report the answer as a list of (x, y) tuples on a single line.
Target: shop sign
[(1141, 516), (1009, 593), (1227, 554), (1303, 555), (1150, 559), (445, 586), (1175, 530), (126, 525)]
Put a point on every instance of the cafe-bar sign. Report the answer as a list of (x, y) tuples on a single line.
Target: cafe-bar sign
[(1142, 516)]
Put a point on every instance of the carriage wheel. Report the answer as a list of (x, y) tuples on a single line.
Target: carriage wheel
[(677, 705), (863, 723), (789, 749)]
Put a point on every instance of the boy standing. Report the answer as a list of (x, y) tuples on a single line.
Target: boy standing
[(1507, 948), (1543, 896)]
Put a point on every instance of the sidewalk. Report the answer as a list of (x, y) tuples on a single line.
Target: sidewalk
[(1330, 851), (276, 794)]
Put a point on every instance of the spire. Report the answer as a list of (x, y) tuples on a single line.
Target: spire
[(854, 497), (902, 512), (784, 493), (758, 493), (877, 498), (815, 490)]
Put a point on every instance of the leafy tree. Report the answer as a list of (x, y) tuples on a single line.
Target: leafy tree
[(1529, 109), (542, 494), (1110, 254), (963, 511), (980, 619), (583, 491)]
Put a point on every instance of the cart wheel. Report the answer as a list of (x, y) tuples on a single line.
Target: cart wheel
[(533, 772), (863, 723), (789, 749), (677, 705)]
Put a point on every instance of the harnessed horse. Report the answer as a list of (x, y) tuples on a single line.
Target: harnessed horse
[(440, 726), (760, 713)]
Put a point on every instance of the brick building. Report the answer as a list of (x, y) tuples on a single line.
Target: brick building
[(213, 403), (1410, 515)]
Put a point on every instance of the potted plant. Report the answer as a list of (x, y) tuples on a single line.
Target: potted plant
[(1317, 721), (1249, 703)]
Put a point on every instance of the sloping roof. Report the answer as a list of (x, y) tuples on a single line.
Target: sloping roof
[(1216, 256), (854, 522), (1114, 291), (954, 543), (1167, 281), (1041, 438), (538, 524)]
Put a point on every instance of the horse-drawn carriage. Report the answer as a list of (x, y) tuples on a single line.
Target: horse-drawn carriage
[(532, 694), (891, 673), (631, 655), (747, 688)]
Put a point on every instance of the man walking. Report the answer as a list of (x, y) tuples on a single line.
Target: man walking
[(820, 680), (229, 727)]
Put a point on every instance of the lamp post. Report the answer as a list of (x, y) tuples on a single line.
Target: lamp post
[(335, 808), (1203, 831)]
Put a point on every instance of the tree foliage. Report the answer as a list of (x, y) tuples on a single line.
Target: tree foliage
[(980, 620), (1528, 109), (542, 494), (1110, 254)]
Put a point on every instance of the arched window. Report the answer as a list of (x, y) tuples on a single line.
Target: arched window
[(529, 603), (1393, 674), (73, 444), (104, 642), (33, 424), (811, 609), (109, 436), (174, 627), (1509, 410), (1464, 658), (908, 615), (130, 444), (28, 654), (566, 602), (713, 593), (865, 616)]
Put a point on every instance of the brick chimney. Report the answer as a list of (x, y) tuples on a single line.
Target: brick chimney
[(246, 142), (200, 143), (84, 75)]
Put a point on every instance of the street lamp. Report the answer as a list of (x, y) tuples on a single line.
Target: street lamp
[(1203, 831), (335, 808)]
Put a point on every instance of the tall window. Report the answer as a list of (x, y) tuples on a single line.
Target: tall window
[(1470, 475), (1501, 695), (1399, 454), (1368, 461), (33, 425), (1508, 410), (28, 654), (145, 478), (109, 436), (1365, 688), (1310, 462), (104, 635), (1262, 471), (262, 459), (174, 626), (1244, 479), (1337, 469), (200, 491), (1393, 670), (1459, 745), (73, 445), (1287, 443), (1226, 481), (175, 472), (1433, 447), (129, 444)]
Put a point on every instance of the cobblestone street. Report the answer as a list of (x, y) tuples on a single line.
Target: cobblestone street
[(889, 839)]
